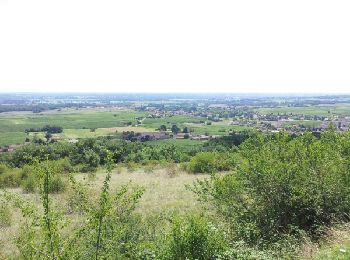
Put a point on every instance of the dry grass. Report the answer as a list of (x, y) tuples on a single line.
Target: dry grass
[(163, 194), (336, 245)]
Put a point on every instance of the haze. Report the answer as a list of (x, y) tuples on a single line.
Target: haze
[(174, 46)]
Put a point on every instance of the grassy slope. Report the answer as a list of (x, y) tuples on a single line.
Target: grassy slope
[(335, 246), (163, 195)]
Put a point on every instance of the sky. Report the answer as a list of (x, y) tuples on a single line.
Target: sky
[(234, 46)]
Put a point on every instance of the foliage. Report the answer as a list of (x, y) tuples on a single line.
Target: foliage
[(110, 230), (210, 162), (11, 179), (284, 186), (194, 237), (5, 214)]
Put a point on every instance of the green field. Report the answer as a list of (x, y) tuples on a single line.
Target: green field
[(180, 121), (72, 119), (181, 143), (76, 123), (321, 110), (12, 138)]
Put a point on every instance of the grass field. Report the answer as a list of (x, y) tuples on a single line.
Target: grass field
[(12, 138), (70, 119), (164, 195), (180, 121), (76, 123), (181, 143), (321, 110)]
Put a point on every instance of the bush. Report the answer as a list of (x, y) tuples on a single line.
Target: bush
[(57, 184), (30, 184), (10, 179), (202, 163), (27, 171), (194, 237), (284, 185), (131, 166), (3, 168), (5, 215)]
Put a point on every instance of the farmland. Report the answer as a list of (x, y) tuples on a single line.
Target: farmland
[(95, 122)]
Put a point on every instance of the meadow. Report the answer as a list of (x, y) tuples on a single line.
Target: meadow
[(76, 123), (316, 110), (164, 195)]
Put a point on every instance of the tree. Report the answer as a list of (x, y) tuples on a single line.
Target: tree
[(175, 129), (48, 136), (162, 128)]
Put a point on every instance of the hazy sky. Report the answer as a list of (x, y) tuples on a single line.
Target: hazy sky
[(175, 46)]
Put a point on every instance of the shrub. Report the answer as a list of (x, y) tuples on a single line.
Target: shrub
[(3, 168), (108, 229), (5, 215), (30, 184), (10, 179), (202, 163), (284, 185), (131, 166), (194, 237), (27, 171), (57, 184)]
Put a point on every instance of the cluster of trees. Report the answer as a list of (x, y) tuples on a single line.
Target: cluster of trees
[(48, 128), (174, 129), (88, 154)]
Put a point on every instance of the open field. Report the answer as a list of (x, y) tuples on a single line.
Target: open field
[(87, 133), (169, 121), (163, 195), (181, 143), (12, 138), (319, 110), (76, 123), (70, 119)]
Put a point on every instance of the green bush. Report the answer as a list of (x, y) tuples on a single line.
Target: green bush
[(194, 237), (210, 162), (5, 215), (57, 184), (284, 186), (27, 171), (30, 184), (202, 163), (10, 179), (3, 168)]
